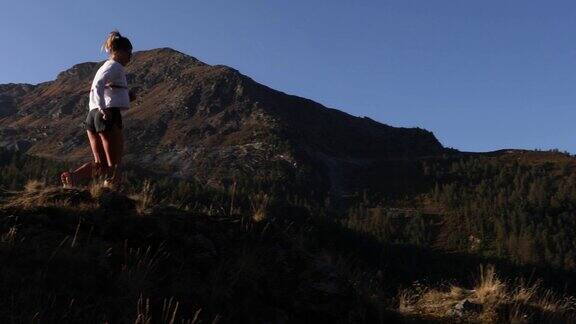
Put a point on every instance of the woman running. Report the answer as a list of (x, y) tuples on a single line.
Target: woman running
[(109, 95)]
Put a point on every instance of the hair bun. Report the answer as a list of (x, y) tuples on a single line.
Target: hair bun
[(115, 41)]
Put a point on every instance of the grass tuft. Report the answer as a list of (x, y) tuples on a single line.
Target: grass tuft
[(491, 300)]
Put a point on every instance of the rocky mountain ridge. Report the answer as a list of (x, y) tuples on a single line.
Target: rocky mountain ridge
[(209, 122)]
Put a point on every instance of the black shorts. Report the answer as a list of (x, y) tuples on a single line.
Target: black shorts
[(95, 123)]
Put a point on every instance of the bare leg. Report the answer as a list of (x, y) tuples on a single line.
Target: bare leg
[(90, 169), (113, 143), (101, 167)]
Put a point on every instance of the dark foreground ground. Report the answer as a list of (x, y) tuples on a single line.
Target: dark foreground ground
[(92, 255)]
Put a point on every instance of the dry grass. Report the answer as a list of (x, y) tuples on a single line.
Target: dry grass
[(145, 198), (489, 288), (10, 236), (407, 300), (143, 311), (34, 185), (525, 293), (140, 263), (491, 300), (37, 196), (96, 188), (259, 206)]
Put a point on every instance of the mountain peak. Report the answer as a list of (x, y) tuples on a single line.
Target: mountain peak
[(165, 54), (209, 122)]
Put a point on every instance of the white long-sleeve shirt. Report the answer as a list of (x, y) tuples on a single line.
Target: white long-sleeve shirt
[(109, 87)]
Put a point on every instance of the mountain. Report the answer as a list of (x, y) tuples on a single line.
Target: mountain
[(208, 122)]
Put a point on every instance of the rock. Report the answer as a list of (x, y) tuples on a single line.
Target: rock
[(464, 307)]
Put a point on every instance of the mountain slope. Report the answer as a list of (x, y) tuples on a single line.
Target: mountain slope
[(209, 122)]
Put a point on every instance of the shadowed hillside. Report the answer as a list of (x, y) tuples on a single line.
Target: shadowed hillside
[(167, 248), (92, 255)]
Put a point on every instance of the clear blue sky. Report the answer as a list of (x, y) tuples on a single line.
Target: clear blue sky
[(480, 74)]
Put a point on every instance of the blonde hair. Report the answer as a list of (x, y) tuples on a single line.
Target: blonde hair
[(116, 42)]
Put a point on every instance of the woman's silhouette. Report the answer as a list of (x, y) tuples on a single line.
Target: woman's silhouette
[(109, 96)]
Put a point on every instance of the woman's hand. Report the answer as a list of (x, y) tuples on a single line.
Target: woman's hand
[(104, 113)]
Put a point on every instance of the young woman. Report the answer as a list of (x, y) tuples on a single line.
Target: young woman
[(109, 96)]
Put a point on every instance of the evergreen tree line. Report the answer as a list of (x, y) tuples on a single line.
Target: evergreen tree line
[(517, 210)]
